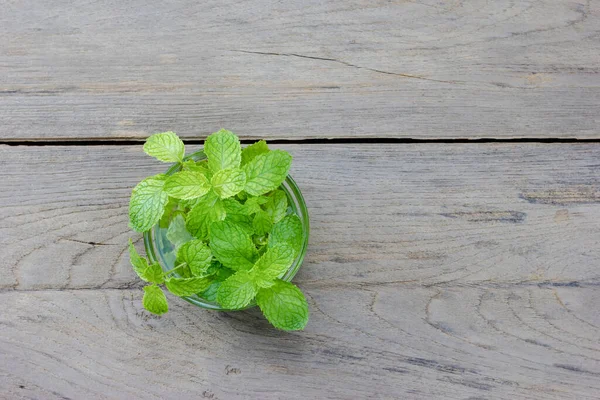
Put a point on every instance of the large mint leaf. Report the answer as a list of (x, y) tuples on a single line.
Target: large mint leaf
[(237, 291), (207, 210), (147, 203), (284, 306), (276, 206), (262, 223), (252, 204), (201, 166), (267, 171), (187, 185), (223, 150), (177, 233), (287, 231), (236, 213), (232, 246), (187, 286), (165, 147), (196, 255), (228, 182), (272, 265), (255, 149)]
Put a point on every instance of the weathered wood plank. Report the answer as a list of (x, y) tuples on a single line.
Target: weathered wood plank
[(378, 342), (434, 271), (423, 214), (419, 69)]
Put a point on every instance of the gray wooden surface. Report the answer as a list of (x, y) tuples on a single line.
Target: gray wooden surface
[(108, 70), (436, 270), (447, 271)]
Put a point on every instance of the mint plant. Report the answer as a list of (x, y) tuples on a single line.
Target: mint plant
[(233, 232)]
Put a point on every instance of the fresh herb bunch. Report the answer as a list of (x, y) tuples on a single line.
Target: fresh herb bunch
[(230, 224)]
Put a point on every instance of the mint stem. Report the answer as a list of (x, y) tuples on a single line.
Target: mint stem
[(171, 270)]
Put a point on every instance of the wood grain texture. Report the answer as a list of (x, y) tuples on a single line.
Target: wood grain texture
[(434, 271), (387, 342), (300, 69)]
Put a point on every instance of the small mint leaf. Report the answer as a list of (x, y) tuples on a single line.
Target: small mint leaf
[(154, 300), (223, 150), (287, 231), (165, 147), (196, 255), (147, 203), (177, 233), (267, 171), (262, 223), (168, 214), (236, 213), (284, 306), (252, 204), (255, 149), (277, 205), (153, 274), (138, 263), (207, 210), (201, 167), (186, 185)]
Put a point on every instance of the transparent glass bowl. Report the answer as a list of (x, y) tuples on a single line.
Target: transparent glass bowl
[(160, 249)]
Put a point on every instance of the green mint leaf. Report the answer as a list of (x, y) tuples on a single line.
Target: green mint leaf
[(287, 231), (191, 165), (272, 265), (236, 213), (210, 294), (147, 203), (232, 246), (189, 204), (221, 273), (255, 149), (187, 286), (150, 273), (155, 300), (284, 306), (262, 223), (213, 268), (139, 263), (169, 213), (228, 182), (252, 204), (241, 196), (223, 150), (187, 185), (267, 171), (177, 233), (165, 147), (196, 255), (277, 205), (153, 274), (207, 210), (232, 206), (237, 291)]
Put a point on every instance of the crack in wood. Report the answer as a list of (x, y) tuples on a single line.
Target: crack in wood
[(379, 71)]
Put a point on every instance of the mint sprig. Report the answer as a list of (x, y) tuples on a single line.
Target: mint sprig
[(234, 233)]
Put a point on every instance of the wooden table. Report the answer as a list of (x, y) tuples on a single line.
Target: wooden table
[(448, 151)]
